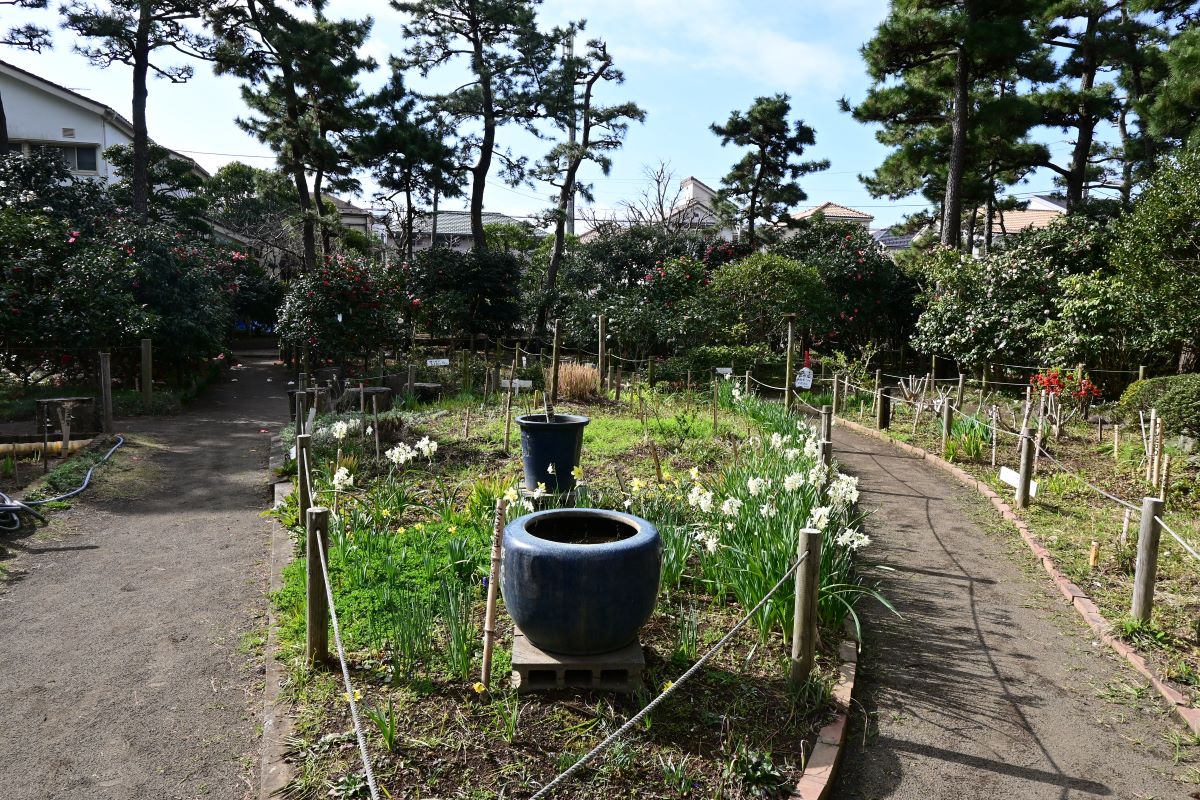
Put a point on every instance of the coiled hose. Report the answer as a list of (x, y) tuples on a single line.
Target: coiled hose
[(9, 508)]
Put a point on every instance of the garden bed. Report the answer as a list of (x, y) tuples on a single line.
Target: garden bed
[(409, 556)]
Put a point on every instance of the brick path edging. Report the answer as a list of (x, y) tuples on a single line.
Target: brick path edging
[(821, 768), (1078, 599)]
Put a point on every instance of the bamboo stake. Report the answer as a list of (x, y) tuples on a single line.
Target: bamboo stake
[(489, 617), (1094, 556), (512, 380)]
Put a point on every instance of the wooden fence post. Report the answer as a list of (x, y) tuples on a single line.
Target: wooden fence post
[(787, 378), (962, 386), (1141, 372), (303, 479), (412, 380), (804, 617), (883, 408), (512, 380), (827, 435), (600, 354), (1026, 473), (1147, 559), (106, 392), (147, 373), (947, 422), (554, 367), (316, 634), (837, 392), (716, 388)]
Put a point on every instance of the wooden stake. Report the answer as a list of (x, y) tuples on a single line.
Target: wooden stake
[(1094, 556), (1117, 444), (1146, 567), (512, 380), (804, 616), (489, 615), (787, 378), (1165, 484), (600, 354), (714, 405), (105, 393), (554, 371), (316, 634), (375, 422), (147, 373)]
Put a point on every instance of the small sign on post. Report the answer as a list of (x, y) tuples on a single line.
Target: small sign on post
[(1013, 479), (724, 370), (517, 384), (437, 362)]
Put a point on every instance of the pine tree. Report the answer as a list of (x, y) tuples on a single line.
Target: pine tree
[(25, 37), (936, 67), (130, 32), (302, 89), (595, 132), (406, 152), (507, 58), (764, 181)]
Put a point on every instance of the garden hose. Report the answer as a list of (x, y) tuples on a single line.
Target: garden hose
[(9, 508)]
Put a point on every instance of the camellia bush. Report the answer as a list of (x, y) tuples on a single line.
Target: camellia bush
[(869, 298), (345, 309), (465, 294), (79, 275)]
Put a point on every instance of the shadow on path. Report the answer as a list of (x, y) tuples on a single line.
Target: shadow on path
[(984, 689)]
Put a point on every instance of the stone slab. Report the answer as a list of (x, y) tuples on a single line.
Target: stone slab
[(535, 669)]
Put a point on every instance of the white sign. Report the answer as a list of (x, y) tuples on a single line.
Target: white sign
[(1012, 478), (804, 378), (438, 362), (724, 370), (518, 384)]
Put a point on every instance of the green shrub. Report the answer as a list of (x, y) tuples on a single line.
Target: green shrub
[(1177, 398)]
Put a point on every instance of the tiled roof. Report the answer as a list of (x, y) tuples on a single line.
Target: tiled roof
[(458, 223), (345, 205), (893, 241), (832, 210), (1008, 222)]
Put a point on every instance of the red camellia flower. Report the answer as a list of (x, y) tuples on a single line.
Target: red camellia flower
[(416, 301)]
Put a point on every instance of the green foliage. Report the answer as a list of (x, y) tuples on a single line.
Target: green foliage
[(867, 298), (1007, 305), (746, 300), (465, 294), (344, 309), (1177, 398), (78, 274), (764, 180)]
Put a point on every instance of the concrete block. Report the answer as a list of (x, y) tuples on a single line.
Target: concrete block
[(536, 670)]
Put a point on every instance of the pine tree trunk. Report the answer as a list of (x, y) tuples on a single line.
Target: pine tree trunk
[(1077, 178), (3, 129), (479, 172), (952, 205), (141, 138), (560, 238)]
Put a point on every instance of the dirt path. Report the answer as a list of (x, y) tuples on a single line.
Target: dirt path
[(990, 687), (128, 658)]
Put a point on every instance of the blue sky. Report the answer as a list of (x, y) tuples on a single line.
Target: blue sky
[(687, 64)]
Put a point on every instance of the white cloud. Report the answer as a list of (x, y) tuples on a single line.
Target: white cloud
[(719, 35)]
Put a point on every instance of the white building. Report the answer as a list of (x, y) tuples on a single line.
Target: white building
[(44, 114)]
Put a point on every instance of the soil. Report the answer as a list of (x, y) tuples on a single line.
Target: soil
[(129, 629), (989, 686)]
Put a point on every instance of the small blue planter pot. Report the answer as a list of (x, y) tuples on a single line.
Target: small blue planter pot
[(544, 443), (580, 581)]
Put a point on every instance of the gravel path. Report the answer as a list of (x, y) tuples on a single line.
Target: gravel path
[(128, 658), (990, 686)]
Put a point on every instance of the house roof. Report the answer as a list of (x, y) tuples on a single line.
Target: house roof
[(94, 106), (832, 210), (1009, 222), (893, 241), (458, 223), (345, 206)]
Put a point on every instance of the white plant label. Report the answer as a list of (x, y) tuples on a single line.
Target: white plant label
[(724, 370), (804, 378), (438, 362), (1013, 478), (518, 384)]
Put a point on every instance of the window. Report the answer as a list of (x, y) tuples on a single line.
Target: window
[(77, 159)]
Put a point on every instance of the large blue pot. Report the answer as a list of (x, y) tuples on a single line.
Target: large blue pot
[(543, 443), (580, 581)]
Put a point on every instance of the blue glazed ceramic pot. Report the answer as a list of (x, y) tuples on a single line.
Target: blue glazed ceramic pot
[(580, 581)]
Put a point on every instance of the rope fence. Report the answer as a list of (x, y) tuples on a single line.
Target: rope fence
[(341, 651), (670, 689), (1177, 538)]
